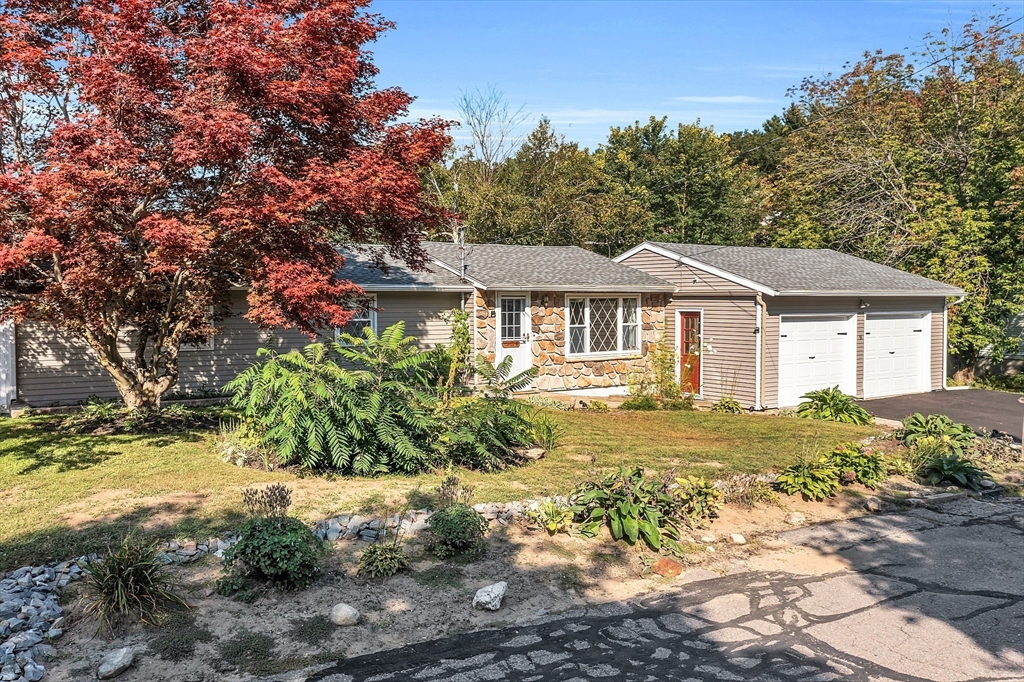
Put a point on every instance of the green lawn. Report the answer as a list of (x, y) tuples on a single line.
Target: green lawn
[(64, 495)]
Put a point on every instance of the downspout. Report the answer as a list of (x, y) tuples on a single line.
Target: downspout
[(945, 337), (760, 315)]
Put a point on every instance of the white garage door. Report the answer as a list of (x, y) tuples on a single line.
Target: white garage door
[(816, 352), (897, 348)]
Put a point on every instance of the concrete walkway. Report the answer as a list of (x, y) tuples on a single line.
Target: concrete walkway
[(928, 595)]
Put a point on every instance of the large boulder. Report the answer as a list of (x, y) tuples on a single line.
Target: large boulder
[(343, 614), (115, 663), (489, 598)]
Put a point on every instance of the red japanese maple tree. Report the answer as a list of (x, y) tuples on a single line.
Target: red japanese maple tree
[(156, 153)]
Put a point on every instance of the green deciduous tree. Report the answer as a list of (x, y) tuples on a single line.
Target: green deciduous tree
[(921, 169)]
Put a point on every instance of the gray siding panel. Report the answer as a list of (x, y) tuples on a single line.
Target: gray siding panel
[(54, 369), (687, 279), (730, 345)]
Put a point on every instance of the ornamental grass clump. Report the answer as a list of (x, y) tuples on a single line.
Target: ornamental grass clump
[(129, 582)]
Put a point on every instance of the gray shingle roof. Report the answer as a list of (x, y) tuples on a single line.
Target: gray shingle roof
[(809, 271), (361, 268), (551, 268)]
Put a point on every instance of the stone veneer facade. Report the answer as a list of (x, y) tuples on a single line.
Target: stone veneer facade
[(555, 371)]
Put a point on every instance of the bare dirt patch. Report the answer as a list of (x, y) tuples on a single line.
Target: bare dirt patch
[(225, 639)]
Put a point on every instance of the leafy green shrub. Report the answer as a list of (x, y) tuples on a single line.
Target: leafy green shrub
[(640, 403), (952, 468), (373, 419), (128, 582), (272, 546), (547, 432), (237, 445), (727, 405), (633, 507), (700, 499), (552, 517), (456, 530), (854, 463), (955, 437), (831, 404), (1013, 383), (814, 479), (489, 432), (597, 406), (383, 560)]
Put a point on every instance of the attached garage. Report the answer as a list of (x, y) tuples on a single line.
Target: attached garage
[(897, 350), (777, 323), (816, 351)]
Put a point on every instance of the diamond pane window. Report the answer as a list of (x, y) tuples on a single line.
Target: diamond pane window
[(603, 325), (604, 333)]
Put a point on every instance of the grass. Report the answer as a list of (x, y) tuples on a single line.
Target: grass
[(66, 495), (178, 637)]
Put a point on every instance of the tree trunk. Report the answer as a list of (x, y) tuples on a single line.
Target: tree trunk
[(141, 388), (142, 396)]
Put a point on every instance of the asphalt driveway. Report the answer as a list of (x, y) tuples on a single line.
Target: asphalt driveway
[(927, 595), (983, 410)]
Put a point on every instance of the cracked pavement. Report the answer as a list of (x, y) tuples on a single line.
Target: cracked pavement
[(930, 594)]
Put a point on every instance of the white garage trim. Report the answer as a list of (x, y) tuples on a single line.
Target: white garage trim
[(826, 356), (897, 353)]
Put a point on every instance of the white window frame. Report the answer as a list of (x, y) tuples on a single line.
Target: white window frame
[(371, 317), (619, 351)]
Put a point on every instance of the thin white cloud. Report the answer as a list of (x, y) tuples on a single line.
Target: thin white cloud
[(725, 99)]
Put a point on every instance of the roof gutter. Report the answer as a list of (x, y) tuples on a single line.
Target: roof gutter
[(849, 292)]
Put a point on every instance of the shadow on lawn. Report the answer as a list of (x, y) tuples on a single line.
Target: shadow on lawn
[(59, 542), (43, 449)]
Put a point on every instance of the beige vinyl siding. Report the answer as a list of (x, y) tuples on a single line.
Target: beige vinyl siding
[(729, 345), (683, 276), (421, 312), (828, 305), (54, 369)]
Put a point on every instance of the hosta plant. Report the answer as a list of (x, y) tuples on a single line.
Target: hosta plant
[(815, 479), (383, 559), (855, 464), (727, 405), (633, 507), (552, 517), (831, 404), (954, 469), (957, 438)]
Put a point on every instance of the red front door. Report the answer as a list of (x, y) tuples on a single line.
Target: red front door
[(689, 351)]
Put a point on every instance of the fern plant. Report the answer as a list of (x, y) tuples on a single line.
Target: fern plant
[(831, 404), (372, 419)]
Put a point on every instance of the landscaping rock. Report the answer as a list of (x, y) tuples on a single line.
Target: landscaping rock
[(343, 614), (115, 663), (489, 598), (873, 504), (796, 519), (534, 454), (708, 539), (737, 539), (667, 568)]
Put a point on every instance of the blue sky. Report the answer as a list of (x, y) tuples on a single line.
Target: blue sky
[(592, 65)]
